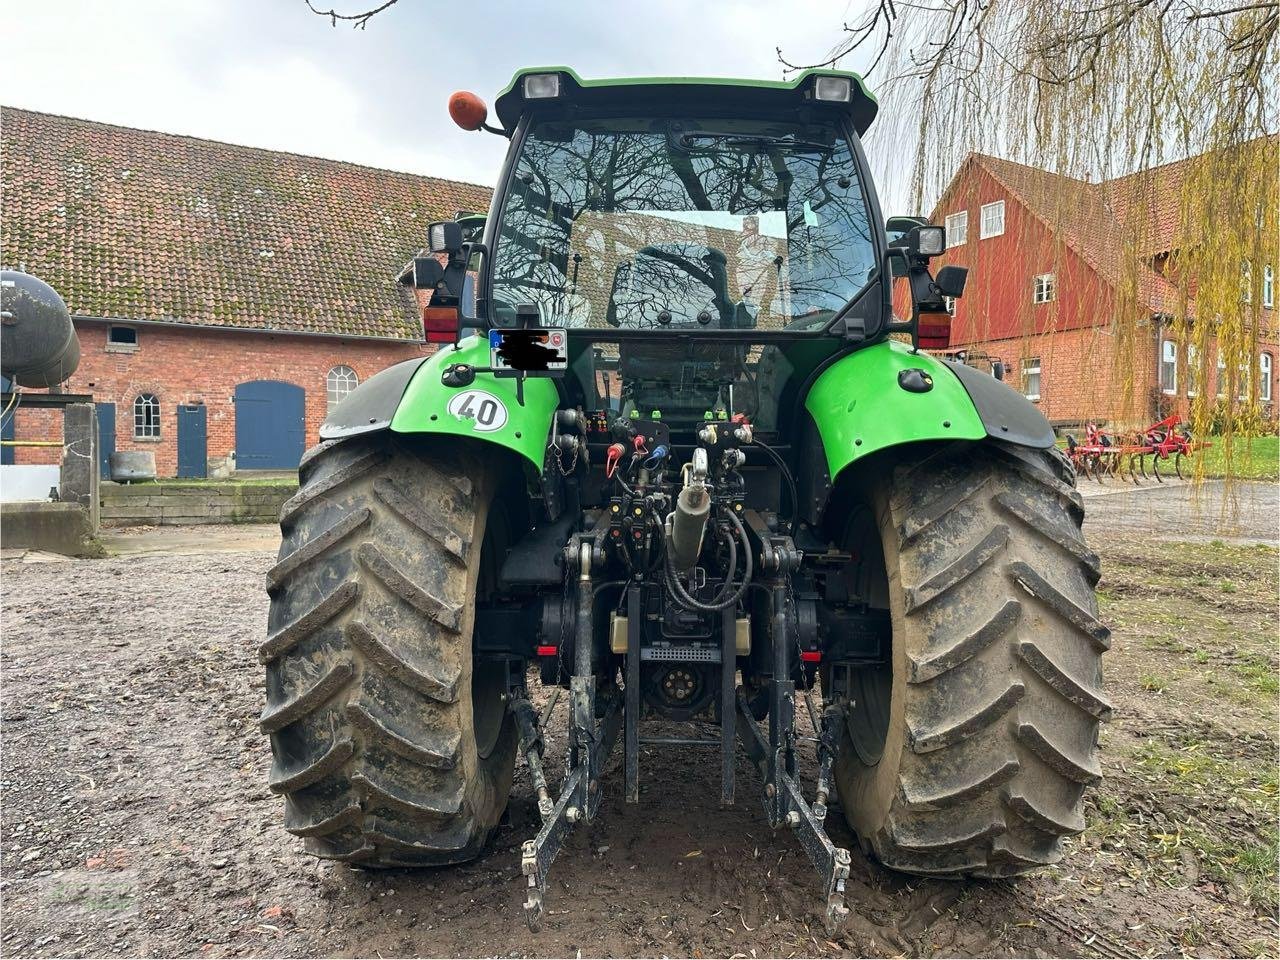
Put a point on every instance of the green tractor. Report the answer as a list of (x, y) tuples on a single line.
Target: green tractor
[(677, 455)]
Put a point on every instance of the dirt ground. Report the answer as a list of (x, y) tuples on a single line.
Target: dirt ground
[(136, 819)]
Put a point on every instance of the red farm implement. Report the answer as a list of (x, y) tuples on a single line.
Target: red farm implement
[(1117, 455)]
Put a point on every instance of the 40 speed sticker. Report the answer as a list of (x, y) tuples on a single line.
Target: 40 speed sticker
[(485, 411)]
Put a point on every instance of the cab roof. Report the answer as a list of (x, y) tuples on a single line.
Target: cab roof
[(721, 91)]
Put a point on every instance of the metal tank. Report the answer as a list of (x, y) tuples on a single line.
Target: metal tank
[(38, 342)]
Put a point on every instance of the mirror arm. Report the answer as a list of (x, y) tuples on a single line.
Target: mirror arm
[(466, 288)]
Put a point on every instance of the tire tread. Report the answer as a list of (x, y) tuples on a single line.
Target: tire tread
[(364, 672), (1001, 697)]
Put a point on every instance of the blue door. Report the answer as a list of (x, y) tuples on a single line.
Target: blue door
[(193, 440), (270, 432), (6, 424), (106, 437)]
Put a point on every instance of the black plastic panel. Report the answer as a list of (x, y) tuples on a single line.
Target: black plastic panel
[(371, 405), (1006, 413)]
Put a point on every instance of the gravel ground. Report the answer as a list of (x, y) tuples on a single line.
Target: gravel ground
[(1244, 511), (136, 819)]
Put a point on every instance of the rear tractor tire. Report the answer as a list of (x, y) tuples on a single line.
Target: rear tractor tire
[(968, 755), (389, 748)]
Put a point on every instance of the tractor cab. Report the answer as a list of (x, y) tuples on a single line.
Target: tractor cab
[(682, 226)]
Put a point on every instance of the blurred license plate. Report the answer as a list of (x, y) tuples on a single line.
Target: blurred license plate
[(529, 351)]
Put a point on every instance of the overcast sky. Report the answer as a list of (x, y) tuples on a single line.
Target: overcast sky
[(269, 73)]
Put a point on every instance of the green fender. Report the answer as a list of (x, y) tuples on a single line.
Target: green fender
[(484, 410), (859, 407)]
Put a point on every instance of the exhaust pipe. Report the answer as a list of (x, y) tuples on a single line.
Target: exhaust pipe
[(688, 522)]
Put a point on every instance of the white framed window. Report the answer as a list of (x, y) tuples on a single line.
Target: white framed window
[(992, 220), (1169, 367), (1044, 288), (1268, 286), (951, 305), (1264, 377), (1031, 378), (339, 382), (1242, 382), (1193, 370), (146, 417), (1222, 375), (957, 226)]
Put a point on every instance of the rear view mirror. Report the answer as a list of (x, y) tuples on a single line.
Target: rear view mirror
[(427, 273), (897, 228)]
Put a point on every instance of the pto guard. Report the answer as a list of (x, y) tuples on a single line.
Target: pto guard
[(860, 405), (410, 398)]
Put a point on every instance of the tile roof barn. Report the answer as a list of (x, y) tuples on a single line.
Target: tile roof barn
[(225, 297), (144, 226)]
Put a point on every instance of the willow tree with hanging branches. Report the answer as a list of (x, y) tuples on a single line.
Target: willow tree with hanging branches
[(1092, 91)]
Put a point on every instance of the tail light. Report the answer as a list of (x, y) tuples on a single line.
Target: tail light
[(933, 331), (440, 324)]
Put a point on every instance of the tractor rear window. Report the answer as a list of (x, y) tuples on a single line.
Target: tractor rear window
[(683, 224)]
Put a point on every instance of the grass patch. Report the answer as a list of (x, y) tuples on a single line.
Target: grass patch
[(1250, 863), (1260, 675), (1192, 769), (1252, 458)]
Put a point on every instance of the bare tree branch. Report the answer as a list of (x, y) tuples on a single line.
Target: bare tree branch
[(360, 20)]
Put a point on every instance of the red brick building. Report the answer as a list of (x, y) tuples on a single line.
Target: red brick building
[(224, 296), (1045, 254)]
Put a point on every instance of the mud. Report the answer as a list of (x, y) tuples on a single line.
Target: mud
[(136, 819)]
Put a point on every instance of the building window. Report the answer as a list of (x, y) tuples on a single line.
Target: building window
[(1031, 378), (339, 382), (1264, 380), (951, 305), (1169, 367), (1193, 370), (146, 417), (992, 224), (1044, 289), (957, 225), (1268, 287), (122, 337), (1222, 375)]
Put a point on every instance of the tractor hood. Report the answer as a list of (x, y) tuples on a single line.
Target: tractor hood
[(634, 93)]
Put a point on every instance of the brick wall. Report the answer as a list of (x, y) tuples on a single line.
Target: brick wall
[(1077, 372), (1082, 373), (192, 365)]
